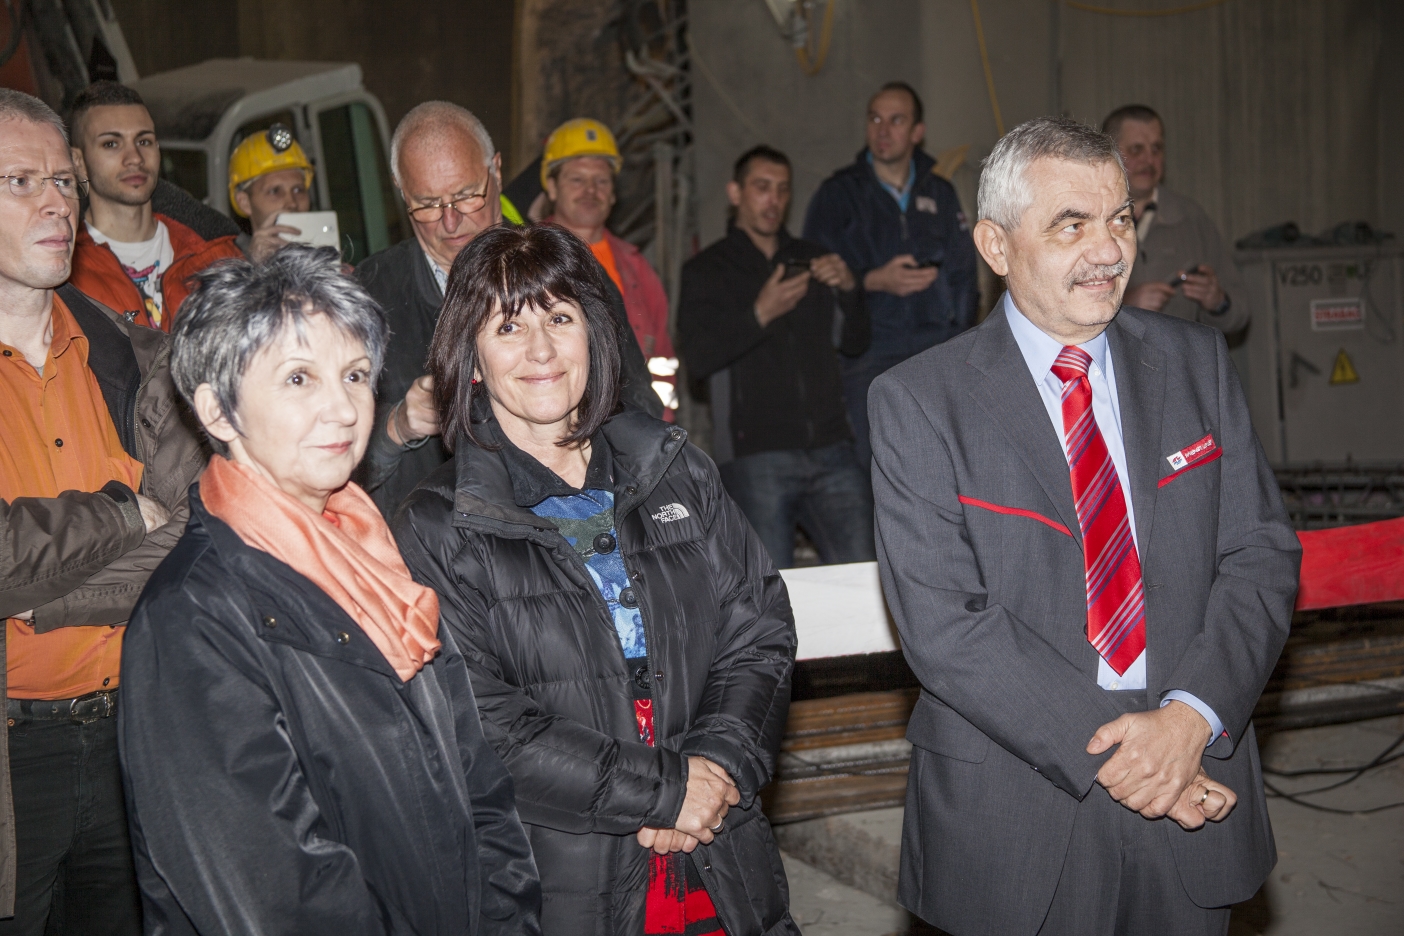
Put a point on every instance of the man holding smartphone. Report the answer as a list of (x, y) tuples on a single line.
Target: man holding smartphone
[(760, 318), (1182, 268), (900, 228), (269, 175)]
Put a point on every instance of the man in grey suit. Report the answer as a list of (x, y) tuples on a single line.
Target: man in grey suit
[(1092, 572)]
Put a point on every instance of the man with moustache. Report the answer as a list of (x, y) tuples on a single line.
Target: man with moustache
[(900, 228), (578, 171), (127, 256), (93, 473), (1092, 572), (450, 177), (1182, 268), (758, 319)]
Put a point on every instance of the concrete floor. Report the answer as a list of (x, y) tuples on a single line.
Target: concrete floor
[(1336, 874), (824, 906)]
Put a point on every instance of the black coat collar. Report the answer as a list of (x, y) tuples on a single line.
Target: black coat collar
[(291, 608), (641, 447)]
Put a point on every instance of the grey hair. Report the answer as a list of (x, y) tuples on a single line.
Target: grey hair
[(237, 309), (16, 105), (1004, 191), (434, 117)]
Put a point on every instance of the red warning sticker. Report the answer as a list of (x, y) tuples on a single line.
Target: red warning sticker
[(1337, 314)]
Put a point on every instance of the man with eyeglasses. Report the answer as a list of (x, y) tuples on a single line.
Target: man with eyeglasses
[(93, 473), (128, 256), (450, 177), (900, 228)]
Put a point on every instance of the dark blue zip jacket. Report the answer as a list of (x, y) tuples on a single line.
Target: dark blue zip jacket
[(854, 216)]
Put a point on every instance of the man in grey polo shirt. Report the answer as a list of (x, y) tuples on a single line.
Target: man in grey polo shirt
[(1182, 268)]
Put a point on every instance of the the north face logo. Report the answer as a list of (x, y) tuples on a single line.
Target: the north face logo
[(671, 512)]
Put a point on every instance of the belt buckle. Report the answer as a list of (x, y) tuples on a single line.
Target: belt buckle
[(104, 694)]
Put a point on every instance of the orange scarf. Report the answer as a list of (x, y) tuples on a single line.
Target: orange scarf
[(347, 552)]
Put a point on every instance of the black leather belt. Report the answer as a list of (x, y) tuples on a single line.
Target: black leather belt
[(95, 705)]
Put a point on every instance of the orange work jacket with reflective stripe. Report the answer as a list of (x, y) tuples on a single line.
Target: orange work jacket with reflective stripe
[(59, 436), (98, 272)]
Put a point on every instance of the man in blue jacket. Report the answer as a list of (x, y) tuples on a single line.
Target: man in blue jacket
[(900, 228)]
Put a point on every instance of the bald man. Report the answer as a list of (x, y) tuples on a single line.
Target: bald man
[(450, 176)]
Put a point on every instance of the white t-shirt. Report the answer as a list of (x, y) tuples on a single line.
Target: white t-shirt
[(146, 262)]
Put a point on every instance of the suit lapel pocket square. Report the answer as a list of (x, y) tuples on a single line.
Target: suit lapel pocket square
[(1192, 456)]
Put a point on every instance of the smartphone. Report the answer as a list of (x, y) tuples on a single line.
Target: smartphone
[(924, 265), (794, 268), (318, 228), (1179, 279)]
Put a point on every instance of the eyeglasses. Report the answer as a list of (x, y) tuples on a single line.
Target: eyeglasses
[(27, 186), (464, 205)]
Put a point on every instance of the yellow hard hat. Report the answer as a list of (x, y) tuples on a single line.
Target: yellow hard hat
[(270, 150), (580, 137)]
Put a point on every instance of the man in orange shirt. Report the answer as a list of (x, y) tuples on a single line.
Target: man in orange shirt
[(93, 472), (127, 256), (577, 171)]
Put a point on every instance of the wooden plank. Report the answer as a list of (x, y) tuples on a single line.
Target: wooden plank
[(809, 798), (848, 719), (1339, 661)]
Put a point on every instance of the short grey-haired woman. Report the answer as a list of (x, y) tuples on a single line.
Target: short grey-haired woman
[(299, 738)]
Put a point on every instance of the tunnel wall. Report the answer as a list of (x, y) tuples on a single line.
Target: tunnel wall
[(460, 52), (1274, 111)]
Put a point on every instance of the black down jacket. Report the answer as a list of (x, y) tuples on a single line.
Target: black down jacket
[(282, 779), (554, 692)]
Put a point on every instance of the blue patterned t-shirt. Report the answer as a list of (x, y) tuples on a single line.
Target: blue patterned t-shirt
[(586, 520)]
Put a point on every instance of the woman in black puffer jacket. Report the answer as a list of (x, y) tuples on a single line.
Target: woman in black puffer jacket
[(629, 641)]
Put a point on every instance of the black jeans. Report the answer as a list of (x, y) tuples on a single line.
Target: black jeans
[(76, 874)]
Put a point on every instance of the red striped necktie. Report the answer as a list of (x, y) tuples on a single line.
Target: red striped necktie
[(1116, 606)]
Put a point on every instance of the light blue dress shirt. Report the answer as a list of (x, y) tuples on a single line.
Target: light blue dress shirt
[(440, 276), (903, 194), (1040, 351)]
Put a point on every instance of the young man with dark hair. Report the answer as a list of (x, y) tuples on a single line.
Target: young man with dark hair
[(900, 228), (127, 256), (759, 318), (1182, 268)]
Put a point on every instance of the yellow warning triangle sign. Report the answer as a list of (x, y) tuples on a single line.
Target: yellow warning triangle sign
[(1343, 371)]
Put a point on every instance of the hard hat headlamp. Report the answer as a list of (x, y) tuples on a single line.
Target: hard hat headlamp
[(280, 137)]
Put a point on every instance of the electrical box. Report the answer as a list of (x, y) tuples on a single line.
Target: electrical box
[(1325, 374)]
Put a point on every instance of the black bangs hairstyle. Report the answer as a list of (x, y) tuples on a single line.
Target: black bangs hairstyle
[(508, 268)]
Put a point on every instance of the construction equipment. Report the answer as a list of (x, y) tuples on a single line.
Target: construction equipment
[(203, 112), (55, 48), (1325, 359)]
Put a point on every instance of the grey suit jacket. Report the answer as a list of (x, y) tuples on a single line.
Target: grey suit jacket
[(981, 560)]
